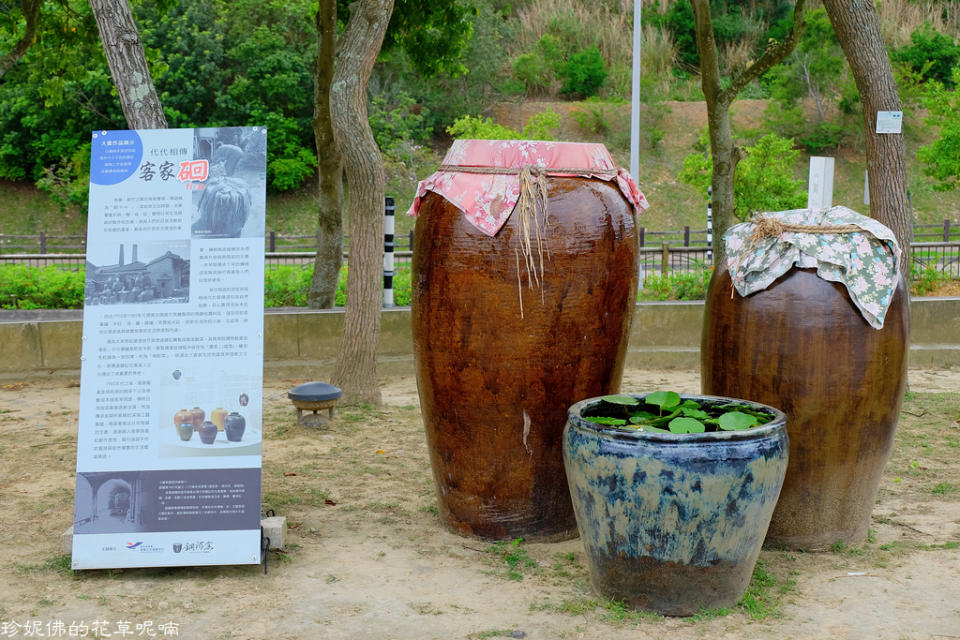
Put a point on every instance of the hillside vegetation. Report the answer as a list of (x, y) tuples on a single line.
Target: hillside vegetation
[(212, 60)]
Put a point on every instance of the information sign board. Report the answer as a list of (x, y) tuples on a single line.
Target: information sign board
[(170, 419)]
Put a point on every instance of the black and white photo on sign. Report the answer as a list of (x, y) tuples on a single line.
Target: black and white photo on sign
[(230, 203), (109, 502), (133, 272)]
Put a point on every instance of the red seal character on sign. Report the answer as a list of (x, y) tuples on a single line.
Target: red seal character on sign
[(194, 170)]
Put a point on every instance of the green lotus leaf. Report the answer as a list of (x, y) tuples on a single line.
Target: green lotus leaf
[(686, 425), (620, 399), (736, 421), (694, 412), (663, 399), (613, 422), (647, 427)]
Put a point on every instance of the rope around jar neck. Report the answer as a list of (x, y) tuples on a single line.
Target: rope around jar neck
[(533, 192), (765, 227)]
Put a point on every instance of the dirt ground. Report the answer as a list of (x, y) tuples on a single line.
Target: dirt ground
[(366, 556)]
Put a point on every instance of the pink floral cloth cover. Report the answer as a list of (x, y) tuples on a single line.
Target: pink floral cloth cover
[(487, 200), (866, 262)]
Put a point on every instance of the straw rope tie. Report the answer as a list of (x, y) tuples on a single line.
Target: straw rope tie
[(765, 227), (771, 228)]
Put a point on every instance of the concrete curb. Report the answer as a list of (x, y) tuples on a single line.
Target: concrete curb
[(300, 343)]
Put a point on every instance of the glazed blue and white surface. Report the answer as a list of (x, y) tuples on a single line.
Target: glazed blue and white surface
[(673, 522)]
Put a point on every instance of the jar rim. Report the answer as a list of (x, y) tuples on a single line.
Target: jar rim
[(778, 423)]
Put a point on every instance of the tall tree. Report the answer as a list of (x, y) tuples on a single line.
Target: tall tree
[(724, 152), (356, 370), (128, 64), (857, 26), (326, 265), (433, 35), (31, 13)]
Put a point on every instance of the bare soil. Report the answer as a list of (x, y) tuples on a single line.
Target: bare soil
[(366, 556)]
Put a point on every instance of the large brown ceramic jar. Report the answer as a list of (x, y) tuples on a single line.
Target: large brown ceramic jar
[(496, 381), (802, 346)]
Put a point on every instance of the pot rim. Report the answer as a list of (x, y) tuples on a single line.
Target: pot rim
[(778, 423)]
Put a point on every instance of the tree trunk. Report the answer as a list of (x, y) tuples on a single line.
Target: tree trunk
[(326, 265), (724, 152), (356, 369), (31, 12), (128, 64), (857, 26)]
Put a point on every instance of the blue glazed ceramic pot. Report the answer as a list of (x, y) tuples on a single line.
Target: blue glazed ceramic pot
[(673, 522)]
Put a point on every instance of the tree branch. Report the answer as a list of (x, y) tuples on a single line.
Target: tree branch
[(774, 54), (707, 50), (31, 11)]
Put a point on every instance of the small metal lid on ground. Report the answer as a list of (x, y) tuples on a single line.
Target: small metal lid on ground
[(314, 396)]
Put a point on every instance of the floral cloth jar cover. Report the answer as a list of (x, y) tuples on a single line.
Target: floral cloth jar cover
[(488, 199), (856, 251)]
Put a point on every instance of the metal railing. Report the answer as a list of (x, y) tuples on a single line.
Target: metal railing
[(42, 243), (941, 256), (664, 258)]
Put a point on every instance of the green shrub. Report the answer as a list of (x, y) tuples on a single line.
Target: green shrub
[(25, 287), (286, 286), (289, 173), (583, 73), (480, 128), (679, 19), (540, 126), (824, 136), (538, 70), (763, 181), (941, 158), (931, 53), (676, 285), (397, 123), (925, 279), (533, 73)]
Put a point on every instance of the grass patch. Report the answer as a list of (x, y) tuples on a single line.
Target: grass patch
[(612, 611), (764, 596), (516, 558), (59, 563), (943, 488)]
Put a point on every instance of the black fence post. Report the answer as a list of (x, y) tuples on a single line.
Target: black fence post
[(946, 230), (389, 222), (643, 236), (710, 225), (273, 241), (686, 235), (43, 242)]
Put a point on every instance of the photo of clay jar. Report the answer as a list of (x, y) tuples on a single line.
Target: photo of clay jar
[(182, 417), (217, 416), (198, 415), (208, 432)]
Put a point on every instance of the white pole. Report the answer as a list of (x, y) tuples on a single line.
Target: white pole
[(635, 93)]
